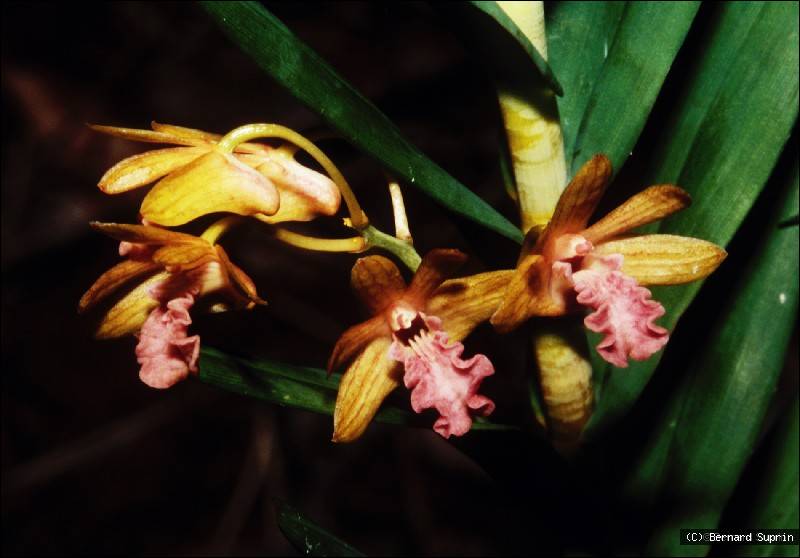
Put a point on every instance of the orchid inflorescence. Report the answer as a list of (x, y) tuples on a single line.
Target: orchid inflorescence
[(414, 334)]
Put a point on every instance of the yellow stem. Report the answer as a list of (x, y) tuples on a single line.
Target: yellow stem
[(353, 244), (253, 131), (219, 228), (533, 129)]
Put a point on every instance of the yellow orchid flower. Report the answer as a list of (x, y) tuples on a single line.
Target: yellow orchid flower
[(168, 270), (416, 328), (202, 176), (571, 264)]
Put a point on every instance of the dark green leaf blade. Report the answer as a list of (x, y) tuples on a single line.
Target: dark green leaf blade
[(308, 538), (578, 39), (732, 116), (705, 439), (295, 386), (776, 502), (309, 78), (644, 46)]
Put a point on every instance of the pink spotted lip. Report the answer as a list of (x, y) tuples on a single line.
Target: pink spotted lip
[(437, 375)]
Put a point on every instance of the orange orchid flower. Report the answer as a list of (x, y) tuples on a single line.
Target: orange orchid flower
[(168, 270), (599, 266), (198, 178), (418, 329)]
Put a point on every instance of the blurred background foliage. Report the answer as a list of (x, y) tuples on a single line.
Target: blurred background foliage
[(704, 96)]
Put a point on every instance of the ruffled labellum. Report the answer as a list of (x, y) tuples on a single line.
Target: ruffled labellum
[(437, 375)]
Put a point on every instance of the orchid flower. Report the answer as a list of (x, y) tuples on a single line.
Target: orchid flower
[(571, 265), (207, 174), (414, 337), (168, 270)]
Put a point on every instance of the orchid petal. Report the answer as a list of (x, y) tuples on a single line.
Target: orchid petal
[(182, 257), (188, 134), (149, 136), (436, 266), (213, 183), (652, 204), (377, 282), (440, 379), (144, 234), (305, 193), (112, 279), (368, 381), (527, 295), (579, 200), (663, 259), (129, 313), (239, 277), (465, 302), (354, 339), (165, 351), (144, 168), (623, 311)]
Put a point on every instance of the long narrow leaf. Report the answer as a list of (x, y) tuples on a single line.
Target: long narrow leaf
[(775, 505), (716, 415), (641, 54), (579, 35), (305, 75)]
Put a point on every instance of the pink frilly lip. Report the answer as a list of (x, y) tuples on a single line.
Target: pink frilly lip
[(438, 377), (623, 311), (165, 350)]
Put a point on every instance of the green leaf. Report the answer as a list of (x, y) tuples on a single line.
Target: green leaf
[(579, 35), (308, 538), (714, 418), (775, 505), (730, 118), (295, 386), (305, 75), (641, 53)]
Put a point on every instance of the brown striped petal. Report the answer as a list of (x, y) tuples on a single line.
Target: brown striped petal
[(579, 200), (527, 294), (188, 134), (127, 316), (182, 257), (355, 339), (652, 204), (112, 279), (377, 282), (239, 277), (436, 266), (663, 259), (147, 167), (216, 182), (149, 136), (464, 303), (144, 234), (368, 381)]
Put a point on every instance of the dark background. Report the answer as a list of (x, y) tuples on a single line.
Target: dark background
[(95, 462)]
